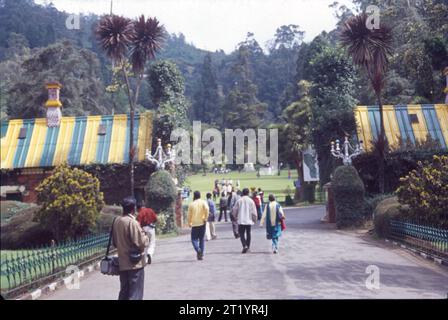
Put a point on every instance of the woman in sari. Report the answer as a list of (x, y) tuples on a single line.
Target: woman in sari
[(274, 217)]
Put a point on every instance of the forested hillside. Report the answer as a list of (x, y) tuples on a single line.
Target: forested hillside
[(251, 86)]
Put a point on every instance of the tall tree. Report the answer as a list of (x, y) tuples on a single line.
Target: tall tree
[(332, 89), (207, 107), (136, 41), (370, 48), (242, 109), (295, 134), (168, 88)]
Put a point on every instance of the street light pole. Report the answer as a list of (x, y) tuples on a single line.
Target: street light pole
[(344, 153), (160, 158)]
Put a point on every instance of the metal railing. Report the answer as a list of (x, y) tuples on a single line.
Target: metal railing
[(20, 268), (422, 236)]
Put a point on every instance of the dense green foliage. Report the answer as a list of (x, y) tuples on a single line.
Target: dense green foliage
[(348, 191), (77, 69), (332, 113), (398, 164), (294, 134), (114, 179), (425, 191), (70, 202), (208, 101), (161, 191), (167, 84), (161, 194)]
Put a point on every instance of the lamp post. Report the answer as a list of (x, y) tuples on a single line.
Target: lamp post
[(160, 158), (344, 152)]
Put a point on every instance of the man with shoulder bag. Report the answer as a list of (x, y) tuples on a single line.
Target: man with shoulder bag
[(130, 240)]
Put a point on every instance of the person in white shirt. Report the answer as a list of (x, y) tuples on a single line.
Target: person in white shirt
[(229, 189), (245, 213)]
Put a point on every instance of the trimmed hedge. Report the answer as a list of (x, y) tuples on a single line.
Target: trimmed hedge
[(384, 212), (398, 164), (161, 194), (161, 191), (348, 191)]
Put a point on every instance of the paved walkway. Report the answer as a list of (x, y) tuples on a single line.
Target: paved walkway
[(315, 261)]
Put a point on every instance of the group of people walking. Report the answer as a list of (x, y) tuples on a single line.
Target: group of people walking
[(133, 234), (244, 212)]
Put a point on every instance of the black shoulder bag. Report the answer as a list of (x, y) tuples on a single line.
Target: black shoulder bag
[(109, 265)]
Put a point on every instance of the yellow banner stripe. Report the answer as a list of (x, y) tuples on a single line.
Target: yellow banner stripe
[(64, 142), (420, 130), (144, 135), (9, 143), (363, 126), (37, 143), (442, 115), (90, 145), (391, 126), (118, 139)]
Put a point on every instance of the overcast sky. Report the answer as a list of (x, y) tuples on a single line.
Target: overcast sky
[(219, 24)]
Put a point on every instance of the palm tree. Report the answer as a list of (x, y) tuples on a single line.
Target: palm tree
[(139, 40), (370, 49)]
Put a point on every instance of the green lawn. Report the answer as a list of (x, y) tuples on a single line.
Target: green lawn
[(269, 184)]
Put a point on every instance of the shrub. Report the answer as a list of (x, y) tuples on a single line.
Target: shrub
[(289, 201), (161, 194), (348, 191), (425, 191), (288, 198), (165, 223), (372, 202), (70, 202), (161, 191), (397, 164), (386, 210)]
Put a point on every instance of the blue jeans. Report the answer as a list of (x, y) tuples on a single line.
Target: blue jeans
[(275, 243), (197, 238)]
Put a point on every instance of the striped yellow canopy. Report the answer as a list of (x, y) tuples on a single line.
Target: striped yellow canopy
[(78, 140), (403, 123)]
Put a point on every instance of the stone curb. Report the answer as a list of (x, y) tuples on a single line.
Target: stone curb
[(422, 254), (60, 283)]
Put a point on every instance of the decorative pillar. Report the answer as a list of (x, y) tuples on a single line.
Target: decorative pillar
[(53, 104)]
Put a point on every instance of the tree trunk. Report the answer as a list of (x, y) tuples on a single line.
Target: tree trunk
[(381, 145), (131, 134), (299, 193)]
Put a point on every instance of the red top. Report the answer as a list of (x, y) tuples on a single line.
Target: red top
[(146, 216), (257, 201)]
